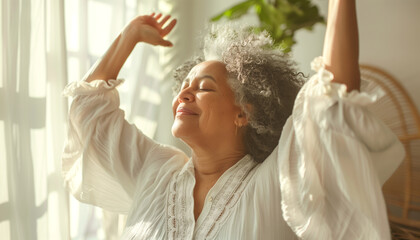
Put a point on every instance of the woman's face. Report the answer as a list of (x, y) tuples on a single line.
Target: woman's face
[(205, 109)]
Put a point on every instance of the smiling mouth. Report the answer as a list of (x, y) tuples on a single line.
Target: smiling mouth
[(184, 111)]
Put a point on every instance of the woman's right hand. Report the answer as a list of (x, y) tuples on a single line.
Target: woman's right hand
[(147, 28), (150, 29)]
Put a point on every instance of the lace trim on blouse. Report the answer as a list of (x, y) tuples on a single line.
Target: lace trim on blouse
[(224, 201), (180, 210)]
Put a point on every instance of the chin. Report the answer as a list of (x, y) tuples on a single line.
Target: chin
[(183, 131), (174, 132), (178, 130)]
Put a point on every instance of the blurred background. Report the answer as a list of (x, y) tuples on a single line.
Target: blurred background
[(46, 44)]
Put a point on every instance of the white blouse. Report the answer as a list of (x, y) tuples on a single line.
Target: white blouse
[(322, 181)]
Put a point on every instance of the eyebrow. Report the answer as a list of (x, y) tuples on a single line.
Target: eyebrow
[(207, 76), (201, 77)]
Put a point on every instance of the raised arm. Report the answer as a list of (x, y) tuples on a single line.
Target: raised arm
[(341, 45), (148, 29), (105, 156)]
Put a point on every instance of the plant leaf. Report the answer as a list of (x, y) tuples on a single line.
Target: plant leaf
[(280, 18), (235, 12)]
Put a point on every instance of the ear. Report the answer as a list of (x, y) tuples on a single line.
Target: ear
[(242, 118)]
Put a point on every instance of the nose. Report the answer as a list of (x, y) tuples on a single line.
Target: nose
[(185, 96)]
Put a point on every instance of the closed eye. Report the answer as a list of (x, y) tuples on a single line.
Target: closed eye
[(206, 90)]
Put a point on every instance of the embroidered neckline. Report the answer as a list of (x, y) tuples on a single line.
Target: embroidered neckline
[(224, 195)]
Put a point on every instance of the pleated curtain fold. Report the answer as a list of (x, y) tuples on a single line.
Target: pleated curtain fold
[(33, 202)]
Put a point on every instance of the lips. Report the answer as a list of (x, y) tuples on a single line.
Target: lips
[(185, 111)]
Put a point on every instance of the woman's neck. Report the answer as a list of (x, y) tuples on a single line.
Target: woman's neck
[(214, 164), (213, 156), (210, 163)]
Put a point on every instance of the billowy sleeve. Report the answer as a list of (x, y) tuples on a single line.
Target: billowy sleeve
[(339, 155), (104, 154)]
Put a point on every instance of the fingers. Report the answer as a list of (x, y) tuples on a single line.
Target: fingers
[(168, 28), (164, 20), (160, 22), (161, 42), (157, 16), (166, 43)]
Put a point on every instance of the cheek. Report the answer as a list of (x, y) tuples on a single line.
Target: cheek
[(217, 110)]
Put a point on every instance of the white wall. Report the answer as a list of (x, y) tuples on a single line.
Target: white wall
[(389, 39), (203, 11), (389, 36)]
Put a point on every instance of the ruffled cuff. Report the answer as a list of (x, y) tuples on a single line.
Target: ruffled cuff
[(322, 85), (90, 88)]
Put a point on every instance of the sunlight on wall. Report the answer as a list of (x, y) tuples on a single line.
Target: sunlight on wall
[(152, 62), (74, 217), (166, 6), (148, 127), (4, 194), (101, 232), (73, 64), (99, 22), (131, 9), (83, 221), (149, 95), (41, 223), (53, 203), (37, 58), (5, 229), (72, 25)]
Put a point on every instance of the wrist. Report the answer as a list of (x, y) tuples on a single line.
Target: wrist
[(130, 35)]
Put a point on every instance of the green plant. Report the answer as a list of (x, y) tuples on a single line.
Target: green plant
[(280, 18)]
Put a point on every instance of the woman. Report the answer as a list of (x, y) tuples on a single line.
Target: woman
[(255, 172)]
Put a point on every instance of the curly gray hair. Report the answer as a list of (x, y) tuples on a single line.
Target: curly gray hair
[(260, 76)]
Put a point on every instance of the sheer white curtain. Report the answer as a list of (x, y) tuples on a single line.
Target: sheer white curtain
[(33, 203)]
